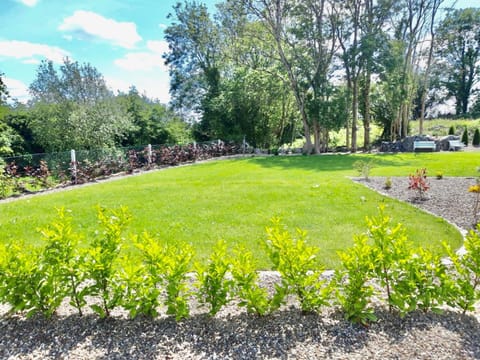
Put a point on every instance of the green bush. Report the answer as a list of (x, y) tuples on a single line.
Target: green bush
[(476, 138), (451, 130), (213, 283), (298, 266), (465, 136)]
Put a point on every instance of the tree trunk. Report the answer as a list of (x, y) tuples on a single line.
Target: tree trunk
[(354, 113), (366, 112)]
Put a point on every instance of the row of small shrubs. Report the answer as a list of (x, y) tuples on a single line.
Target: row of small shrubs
[(465, 136), (381, 263)]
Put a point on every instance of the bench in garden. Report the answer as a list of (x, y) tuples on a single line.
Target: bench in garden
[(454, 145), (424, 145)]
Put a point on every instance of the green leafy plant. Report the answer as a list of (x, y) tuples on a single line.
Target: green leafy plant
[(213, 282), (364, 167), (63, 261), (439, 175), (465, 136), (244, 272), (476, 138), (168, 267), (451, 130), (353, 289), (388, 183), (475, 189), (19, 278), (418, 183), (465, 281), (298, 266), (102, 259)]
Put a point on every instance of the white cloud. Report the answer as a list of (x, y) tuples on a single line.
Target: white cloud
[(17, 89), (28, 50), (155, 87), (158, 47), (88, 23), (30, 3), (145, 60), (162, 26), (31, 61)]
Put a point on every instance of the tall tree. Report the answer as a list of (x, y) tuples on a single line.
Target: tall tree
[(193, 61), (458, 44)]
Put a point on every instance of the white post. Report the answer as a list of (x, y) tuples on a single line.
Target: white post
[(73, 165), (149, 154)]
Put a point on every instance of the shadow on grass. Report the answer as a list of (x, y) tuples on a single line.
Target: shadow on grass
[(330, 162), (239, 336)]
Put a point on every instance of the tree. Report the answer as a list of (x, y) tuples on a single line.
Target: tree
[(3, 90), (458, 44), (304, 41), (73, 108), (193, 61)]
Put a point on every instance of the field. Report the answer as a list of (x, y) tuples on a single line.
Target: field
[(235, 199)]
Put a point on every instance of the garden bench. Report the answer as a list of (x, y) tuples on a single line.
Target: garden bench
[(424, 145), (454, 145)]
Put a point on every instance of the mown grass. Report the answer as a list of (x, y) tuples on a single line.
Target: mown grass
[(235, 199)]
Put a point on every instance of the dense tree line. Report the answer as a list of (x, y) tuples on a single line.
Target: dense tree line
[(272, 70), (71, 107)]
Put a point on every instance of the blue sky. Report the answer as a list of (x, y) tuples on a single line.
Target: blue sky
[(123, 39)]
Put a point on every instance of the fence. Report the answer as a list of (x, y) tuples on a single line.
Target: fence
[(80, 166)]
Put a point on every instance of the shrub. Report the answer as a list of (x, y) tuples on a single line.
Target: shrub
[(418, 183), (364, 167), (388, 183), (476, 138), (465, 136), (464, 289), (167, 266), (439, 175), (244, 272), (103, 257), (475, 189), (213, 284), (298, 266), (451, 130)]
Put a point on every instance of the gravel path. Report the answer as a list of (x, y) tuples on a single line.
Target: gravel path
[(287, 334)]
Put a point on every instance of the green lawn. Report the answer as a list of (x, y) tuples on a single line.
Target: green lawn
[(235, 199)]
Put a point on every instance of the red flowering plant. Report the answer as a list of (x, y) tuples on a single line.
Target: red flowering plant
[(418, 183)]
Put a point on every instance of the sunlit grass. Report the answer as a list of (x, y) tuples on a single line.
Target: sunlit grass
[(235, 199)]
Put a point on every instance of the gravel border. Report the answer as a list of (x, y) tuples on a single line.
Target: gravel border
[(287, 334)]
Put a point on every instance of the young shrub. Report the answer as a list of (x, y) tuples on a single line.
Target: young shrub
[(19, 279), (244, 272), (167, 266), (465, 136), (63, 263), (465, 281), (213, 282), (451, 130), (418, 183), (476, 138), (419, 282), (139, 293), (388, 183), (364, 168), (475, 189), (298, 266), (439, 175), (353, 290), (411, 278), (102, 258)]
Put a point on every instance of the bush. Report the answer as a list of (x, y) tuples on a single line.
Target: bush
[(465, 136), (476, 138), (451, 131)]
